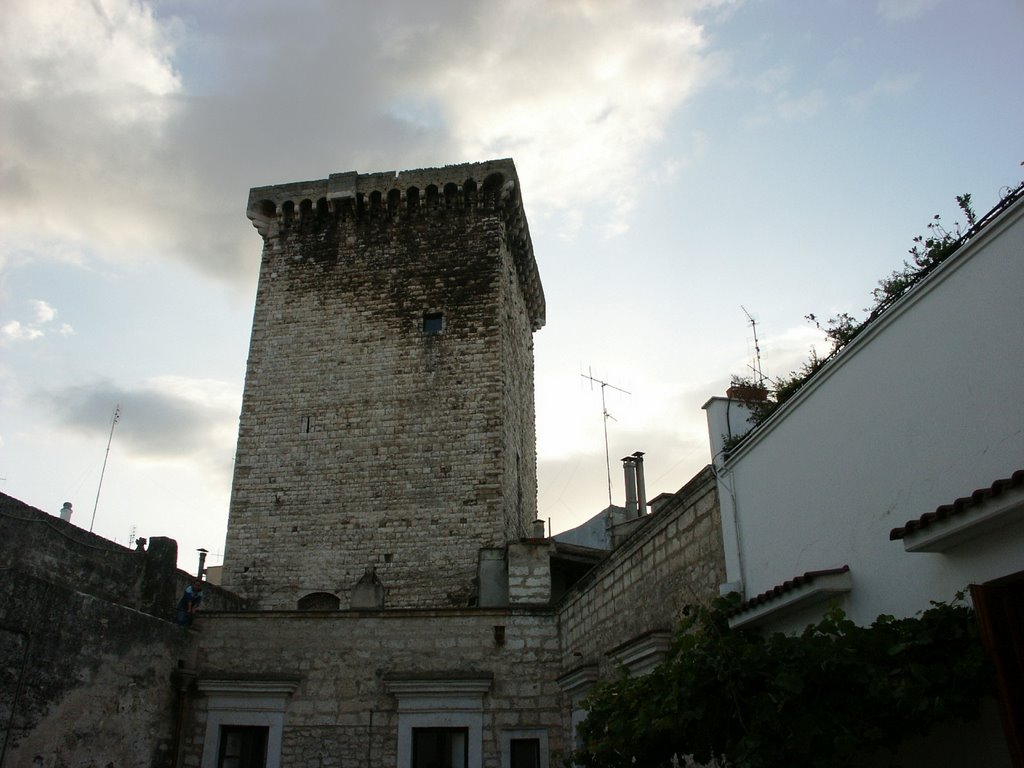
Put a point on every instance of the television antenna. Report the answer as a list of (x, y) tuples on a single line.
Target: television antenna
[(113, 423), (756, 367), (604, 411)]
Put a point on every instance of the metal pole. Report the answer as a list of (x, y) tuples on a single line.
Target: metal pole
[(117, 415)]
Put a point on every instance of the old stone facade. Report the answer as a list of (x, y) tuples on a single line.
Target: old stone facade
[(90, 662), (355, 676), (671, 561), (395, 604), (388, 417)]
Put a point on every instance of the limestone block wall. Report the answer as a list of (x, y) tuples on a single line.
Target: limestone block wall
[(42, 545), (341, 713), (55, 550), (674, 560), (529, 572), (387, 419), (519, 434), (84, 681)]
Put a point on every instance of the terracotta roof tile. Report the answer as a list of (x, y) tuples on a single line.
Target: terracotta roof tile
[(961, 506), (786, 586)]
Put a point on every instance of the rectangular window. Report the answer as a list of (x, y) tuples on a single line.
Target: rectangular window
[(243, 746), (524, 753), (440, 747), (433, 323)]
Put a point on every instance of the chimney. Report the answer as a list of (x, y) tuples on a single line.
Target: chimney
[(641, 487), (202, 562), (747, 393), (629, 471), (538, 529)]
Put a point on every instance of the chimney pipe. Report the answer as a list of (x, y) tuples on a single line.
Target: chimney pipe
[(629, 471), (641, 486), (202, 562)]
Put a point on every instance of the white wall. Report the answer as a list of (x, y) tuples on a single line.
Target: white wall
[(925, 407)]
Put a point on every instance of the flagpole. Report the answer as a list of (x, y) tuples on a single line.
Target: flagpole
[(117, 415)]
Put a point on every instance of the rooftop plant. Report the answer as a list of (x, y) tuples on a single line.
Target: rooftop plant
[(927, 253)]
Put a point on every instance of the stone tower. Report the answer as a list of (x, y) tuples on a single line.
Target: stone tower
[(387, 429)]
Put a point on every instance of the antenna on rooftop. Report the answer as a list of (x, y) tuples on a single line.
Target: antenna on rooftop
[(756, 367), (604, 410), (113, 422)]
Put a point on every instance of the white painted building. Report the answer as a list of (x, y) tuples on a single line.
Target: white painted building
[(849, 491)]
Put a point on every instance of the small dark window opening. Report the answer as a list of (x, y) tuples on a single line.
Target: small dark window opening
[(433, 322), (524, 753), (440, 747), (307, 424), (243, 746)]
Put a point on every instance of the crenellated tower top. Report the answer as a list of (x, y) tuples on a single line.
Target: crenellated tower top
[(392, 196)]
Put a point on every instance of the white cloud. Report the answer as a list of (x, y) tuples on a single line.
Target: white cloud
[(43, 311), (66, 330), (131, 135), (15, 331), (578, 93), (85, 92), (113, 51)]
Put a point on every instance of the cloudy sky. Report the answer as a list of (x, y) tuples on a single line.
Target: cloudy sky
[(679, 160)]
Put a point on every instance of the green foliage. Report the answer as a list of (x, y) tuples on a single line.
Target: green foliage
[(822, 698), (926, 254)]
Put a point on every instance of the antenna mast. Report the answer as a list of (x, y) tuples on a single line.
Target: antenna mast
[(604, 410), (757, 349), (117, 415)]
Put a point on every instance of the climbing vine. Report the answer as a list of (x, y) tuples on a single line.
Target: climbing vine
[(823, 698)]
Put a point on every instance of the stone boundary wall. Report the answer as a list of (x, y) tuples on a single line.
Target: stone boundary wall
[(88, 682), (673, 560), (57, 551), (341, 713)]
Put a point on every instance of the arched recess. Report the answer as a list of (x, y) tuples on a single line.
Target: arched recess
[(469, 193), (451, 195), (394, 201), (412, 199), (490, 191), (432, 196), (319, 601)]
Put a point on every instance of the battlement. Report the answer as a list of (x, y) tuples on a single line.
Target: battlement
[(491, 186)]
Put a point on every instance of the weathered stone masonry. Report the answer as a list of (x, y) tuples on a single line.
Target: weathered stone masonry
[(385, 484), (388, 416), (91, 668), (342, 713), (674, 559)]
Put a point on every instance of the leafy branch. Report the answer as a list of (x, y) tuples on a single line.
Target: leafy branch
[(829, 696)]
